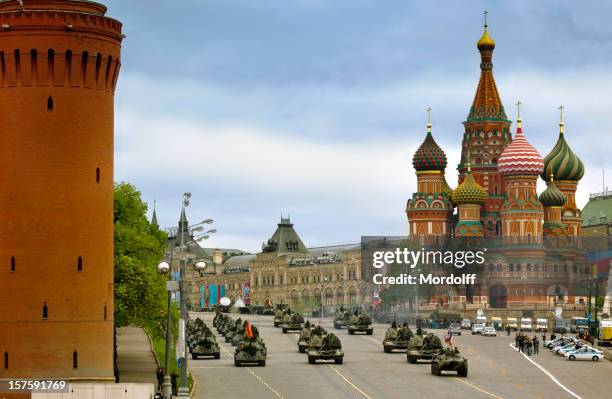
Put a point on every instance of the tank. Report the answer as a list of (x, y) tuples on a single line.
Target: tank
[(239, 334), (232, 329), (360, 324), (305, 334), (397, 338), (292, 322), (200, 340), (341, 318), (325, 347), (252, 350), (280, 315), (449, 360), (423, 347)]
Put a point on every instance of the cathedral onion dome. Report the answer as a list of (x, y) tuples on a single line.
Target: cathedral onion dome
[(485, 42), (520, 157), (469, 192), (429, 156), (552, 196), (561, 161)]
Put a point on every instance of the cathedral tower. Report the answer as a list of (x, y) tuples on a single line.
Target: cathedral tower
[(567, 169), (469, 197), (520, 164), (430, 210), (59, 66), (485, 137)]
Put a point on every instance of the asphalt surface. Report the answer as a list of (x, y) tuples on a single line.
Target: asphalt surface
[(496, 370)]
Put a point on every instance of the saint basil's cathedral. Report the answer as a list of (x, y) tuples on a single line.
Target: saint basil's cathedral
[(497, 199)]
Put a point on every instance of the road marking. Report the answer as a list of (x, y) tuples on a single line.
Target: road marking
[(478, 388), (552, 377), (278, 395), (349, 382)]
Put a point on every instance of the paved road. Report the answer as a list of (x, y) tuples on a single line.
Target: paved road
[(135, 358), (496, 370)]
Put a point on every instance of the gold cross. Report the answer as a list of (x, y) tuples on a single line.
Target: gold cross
[(518, 110), (428, 115), (485, 18), (561, 108)]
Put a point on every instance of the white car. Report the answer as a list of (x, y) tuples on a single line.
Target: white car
[(585, 353), (466, 324), (489, 332), (477, 329)]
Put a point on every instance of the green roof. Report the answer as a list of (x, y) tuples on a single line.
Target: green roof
[(598, 210), (285, 240)]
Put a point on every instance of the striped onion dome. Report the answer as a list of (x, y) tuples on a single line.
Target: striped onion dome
[(562, 162), (552, 196), (469, 192), (429, 156), (520, 157)]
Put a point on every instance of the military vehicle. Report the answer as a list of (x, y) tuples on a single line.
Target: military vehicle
[(423, 347), (280, 315), (397, 338), (239, 334), (225, 325), (324, 347), (200, 340), (232, 329), (292, 322), (305, 335), (252, 350), (217, 319), (341, 318), (360, 324), (449, 360)]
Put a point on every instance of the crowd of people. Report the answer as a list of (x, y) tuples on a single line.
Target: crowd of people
[(528, 345)]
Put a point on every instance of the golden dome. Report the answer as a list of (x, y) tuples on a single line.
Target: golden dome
[(485, 42)]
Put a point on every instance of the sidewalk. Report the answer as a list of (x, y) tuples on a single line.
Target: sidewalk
[(135, 358)]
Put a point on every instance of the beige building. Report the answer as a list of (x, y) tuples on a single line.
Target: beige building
[(285, 271)]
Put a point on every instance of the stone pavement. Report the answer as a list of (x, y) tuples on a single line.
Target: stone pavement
[(135, 358)]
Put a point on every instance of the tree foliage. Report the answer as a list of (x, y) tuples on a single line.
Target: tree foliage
[(140, 295)]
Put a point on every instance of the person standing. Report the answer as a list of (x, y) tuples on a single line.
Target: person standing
[(517, 341), (536, 344), (528, 344)]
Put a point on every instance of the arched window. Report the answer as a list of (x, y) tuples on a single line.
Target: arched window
[(5, 359), (12, 263), (45, 312), (80, 264), (97, 175), (75, 360), (50, 103)]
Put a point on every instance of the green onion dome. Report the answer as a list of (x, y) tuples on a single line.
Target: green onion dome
[(469, 192), (562, 162), (429, 156), (552, 196)]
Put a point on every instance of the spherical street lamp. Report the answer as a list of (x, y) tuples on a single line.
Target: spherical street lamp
[(200, 266), (163, 268)]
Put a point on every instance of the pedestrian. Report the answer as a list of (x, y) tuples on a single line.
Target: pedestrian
[(508, 330), (528, 344), (160, 377), (517, 341), (536, 345), (174, 382), (543, 338), (553, 336)]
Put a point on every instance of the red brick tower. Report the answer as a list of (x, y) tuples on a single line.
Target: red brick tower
[(59, 63), (485, 137)]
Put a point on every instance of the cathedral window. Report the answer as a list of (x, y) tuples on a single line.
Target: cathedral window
[(12, 263), (50, 103), (75, 360), (45, 311)]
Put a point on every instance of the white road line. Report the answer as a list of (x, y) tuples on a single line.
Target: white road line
[(478, 388), (349, 382), (552, 377)]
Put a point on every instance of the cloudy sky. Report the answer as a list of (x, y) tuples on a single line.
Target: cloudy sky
[(314, 108)]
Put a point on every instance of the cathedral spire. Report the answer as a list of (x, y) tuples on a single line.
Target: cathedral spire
[(487, 104), (154, 217)]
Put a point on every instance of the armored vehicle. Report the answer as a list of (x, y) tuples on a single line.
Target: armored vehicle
[(341, 318), (252, 349), (304, 338), (325, 347), (292, 322), (361, 323), (449, 360), (280, 315), (397, 338), (423, 347), (232, 330), (204, 345), (225, 326), (239, 334)]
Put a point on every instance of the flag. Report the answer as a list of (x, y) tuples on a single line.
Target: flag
[(249, 333)]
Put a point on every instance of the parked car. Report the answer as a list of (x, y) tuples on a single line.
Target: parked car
[(466, 324), (477, 329), (560, 350), (585, 353), (489, 331), (560, 341), (454, 329)]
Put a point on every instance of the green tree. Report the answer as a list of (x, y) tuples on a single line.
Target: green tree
[(140, 295)]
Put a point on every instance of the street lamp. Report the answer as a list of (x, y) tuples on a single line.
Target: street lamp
[(163, 268)]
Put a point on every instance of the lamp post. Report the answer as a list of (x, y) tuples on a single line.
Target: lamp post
[(164, 268)]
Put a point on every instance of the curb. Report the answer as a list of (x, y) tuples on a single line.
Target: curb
[(151, 346)]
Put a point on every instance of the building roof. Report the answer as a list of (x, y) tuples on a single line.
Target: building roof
[(429, 156), (520, 157), (552, 196), (469, 191), (285, 240), (562, 162), (598, 210), (486, 105)]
